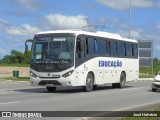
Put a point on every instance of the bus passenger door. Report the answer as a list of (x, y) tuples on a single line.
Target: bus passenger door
[(79, 61)]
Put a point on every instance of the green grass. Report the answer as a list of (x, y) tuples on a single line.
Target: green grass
[(146, 72), (15, 65), (17, 79), (146, 76)]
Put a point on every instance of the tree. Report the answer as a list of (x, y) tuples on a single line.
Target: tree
[(27, 57), (156, 63), (17, 57)]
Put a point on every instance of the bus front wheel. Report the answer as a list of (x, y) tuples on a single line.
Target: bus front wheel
[(89, 83), (51, 89)]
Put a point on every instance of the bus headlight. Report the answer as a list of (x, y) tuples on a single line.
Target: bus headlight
[(67, 74), (33, 75)]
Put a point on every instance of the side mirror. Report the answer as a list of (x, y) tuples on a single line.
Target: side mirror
[(26, 46)]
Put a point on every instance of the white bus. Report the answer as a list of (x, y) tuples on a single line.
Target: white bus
[(81, 58)]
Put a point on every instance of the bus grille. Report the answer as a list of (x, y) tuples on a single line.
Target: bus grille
[(54, 82)]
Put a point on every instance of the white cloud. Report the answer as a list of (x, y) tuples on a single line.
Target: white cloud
[(58, 21), (158, 48), (158, 26), (3, 24), (24, 29), (31, 4), (133, 34), (4, 51), (157, 4), (27, 4), (124, 4)]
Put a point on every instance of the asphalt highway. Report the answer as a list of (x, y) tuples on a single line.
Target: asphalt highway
[(16, 96)]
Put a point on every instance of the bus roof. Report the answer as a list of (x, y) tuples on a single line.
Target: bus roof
[(96, 34)]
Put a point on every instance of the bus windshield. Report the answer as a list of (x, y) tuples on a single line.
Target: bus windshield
[(53, 49)]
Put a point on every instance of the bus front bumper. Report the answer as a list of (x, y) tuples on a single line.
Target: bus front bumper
[(47, 82)]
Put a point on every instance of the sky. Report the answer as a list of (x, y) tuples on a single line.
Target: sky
[(21, 19)]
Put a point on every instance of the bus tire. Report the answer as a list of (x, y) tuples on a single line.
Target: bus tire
[(51, 89), (122, 80), (89, 83), (154, 89)]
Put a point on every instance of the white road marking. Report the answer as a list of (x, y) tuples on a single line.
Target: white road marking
[(6, 103)]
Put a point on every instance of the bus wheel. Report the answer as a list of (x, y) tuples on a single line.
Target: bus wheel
[(89, 83), (51, 89), (122, 80), (154, 89)]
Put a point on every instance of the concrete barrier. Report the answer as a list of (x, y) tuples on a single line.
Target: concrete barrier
[(8, 71)]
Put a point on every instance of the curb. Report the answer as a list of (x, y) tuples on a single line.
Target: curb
[(144, 79)]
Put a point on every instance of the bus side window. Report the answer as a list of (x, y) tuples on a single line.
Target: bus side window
[(80, 48), (121, 50), (132, 47), (135, 51), (125, 49), (129, 50), (90, 46), (109, 47), (113, 48), (116, 47), (95, 46), (87, 46)]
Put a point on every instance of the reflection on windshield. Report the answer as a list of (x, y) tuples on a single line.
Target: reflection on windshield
[(53, 49)]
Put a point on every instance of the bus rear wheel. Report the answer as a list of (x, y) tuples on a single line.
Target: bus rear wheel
[(122, 80), (51, 89), (89, 83)]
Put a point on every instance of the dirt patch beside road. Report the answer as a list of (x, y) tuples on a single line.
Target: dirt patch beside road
[(8, 71)]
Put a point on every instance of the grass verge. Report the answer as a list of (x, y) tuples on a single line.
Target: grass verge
[(146, 76), (17, 79), (14, 65)]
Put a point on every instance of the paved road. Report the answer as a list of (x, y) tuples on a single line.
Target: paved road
[(23, 97)]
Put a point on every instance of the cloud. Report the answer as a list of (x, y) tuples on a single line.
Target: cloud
[(157, 4), (24, 29), (3, 24), (27, 4), (158, 26), (158, 48), (133, 34), (58, 21), (18, 13), (124, 4), (4, 51), (31, 4)]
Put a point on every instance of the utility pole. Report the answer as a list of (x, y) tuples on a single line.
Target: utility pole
[(129, 32)]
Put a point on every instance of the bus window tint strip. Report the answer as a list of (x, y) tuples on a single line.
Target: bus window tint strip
[(97, 46)]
